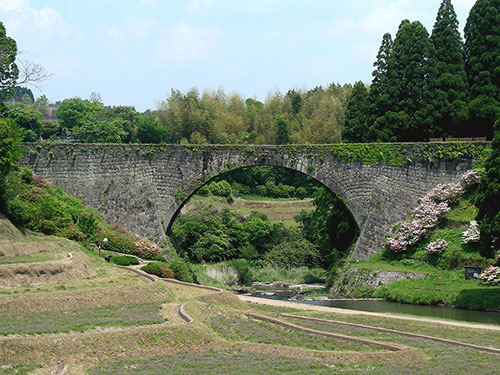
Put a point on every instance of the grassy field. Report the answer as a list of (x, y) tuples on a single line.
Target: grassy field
[(278, 210)]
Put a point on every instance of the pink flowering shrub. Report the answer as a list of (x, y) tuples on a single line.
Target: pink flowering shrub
[(471, 178), (39, 180), (491, 276), (432, 207), (120, 229), (147, 249), (437, 247)]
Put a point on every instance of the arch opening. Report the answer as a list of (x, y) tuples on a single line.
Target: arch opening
[(331, 233)]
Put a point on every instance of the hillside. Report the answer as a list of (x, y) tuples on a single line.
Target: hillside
[(421, 276)]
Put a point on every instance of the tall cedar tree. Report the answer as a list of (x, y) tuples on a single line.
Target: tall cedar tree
[(488, 198), (450, 90), (380, 99), (482, 63), (411, 72), (354, 129)]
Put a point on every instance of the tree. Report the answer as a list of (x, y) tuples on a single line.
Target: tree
[(9, 151), (380, 99), (330, 227), (411, 71), (450, 86), (488, 198), (9, 71), (354, 129), (282, 137), (482, 63), (150, 130)]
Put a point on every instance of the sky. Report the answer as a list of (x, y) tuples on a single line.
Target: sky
[(135, 52)]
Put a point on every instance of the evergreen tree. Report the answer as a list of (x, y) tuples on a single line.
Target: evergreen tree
[(488, 198), (411, 68), (282, 137), (379, 99), (354, 129), (450, 86), (482, 63)]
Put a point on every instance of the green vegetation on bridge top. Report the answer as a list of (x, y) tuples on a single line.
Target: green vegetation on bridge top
[(393, 154)]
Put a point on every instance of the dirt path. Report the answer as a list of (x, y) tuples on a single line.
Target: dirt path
[(303, 306)]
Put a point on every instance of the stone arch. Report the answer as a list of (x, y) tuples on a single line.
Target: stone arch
[(228, 171)]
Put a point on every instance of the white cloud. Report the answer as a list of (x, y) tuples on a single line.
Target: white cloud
[(14, 6), (198, 5), (186, 43), (384, 16), (113, 32), (24, 20)]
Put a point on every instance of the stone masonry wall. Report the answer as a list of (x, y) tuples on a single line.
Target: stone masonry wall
[(143, 187)]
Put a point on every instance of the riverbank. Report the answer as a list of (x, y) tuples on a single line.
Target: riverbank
[(307, 307)]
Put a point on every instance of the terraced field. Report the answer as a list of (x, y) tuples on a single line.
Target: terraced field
[(93, 317)]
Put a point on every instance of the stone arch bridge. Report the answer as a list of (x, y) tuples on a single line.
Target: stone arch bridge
[(143, 187)]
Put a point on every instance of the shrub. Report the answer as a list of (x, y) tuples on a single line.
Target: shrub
[(294, 253), (432, 207), (491, 276), (167, 273), (124, 260), (182, 270), (472, 233), (154, 268), (243, 270), (437, 247)]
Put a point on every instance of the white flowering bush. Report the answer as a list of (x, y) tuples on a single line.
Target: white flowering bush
[(437, 247), (491, 276), (472, 233), (432, 207), (471, 178)]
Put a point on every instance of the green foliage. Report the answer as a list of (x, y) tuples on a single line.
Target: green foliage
[(482, 61), (313, 116), (450, 86), (355, 125), (182, 270), (213, 235), (243, 269), (293, 253), (154, 268), (330, 227), (9, 72), (9, 148), (150, 130), (282, 137), (32, 203), (488, 199), (411, 67), (29, 121), (261, 181), (442, 288), (124, 260)]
